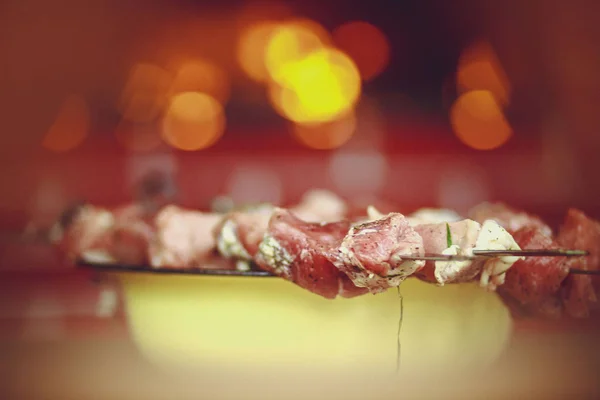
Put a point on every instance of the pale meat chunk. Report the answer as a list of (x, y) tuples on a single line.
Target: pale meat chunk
[(510, 219), (183, 238), (462, 238), (303, 253), (371, 253), (87, 235), (432, 216)]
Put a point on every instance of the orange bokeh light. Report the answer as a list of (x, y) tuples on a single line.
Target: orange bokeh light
[(478, 121), (326, 135), (290, 43), (193, 121), (202, 76), (252, 48), (479, 69), (70, 127), (145, 93), (321, 87), (366, 44)]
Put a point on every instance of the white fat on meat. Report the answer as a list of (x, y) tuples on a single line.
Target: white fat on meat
[(183, 237), (494, 237), (467, 236)]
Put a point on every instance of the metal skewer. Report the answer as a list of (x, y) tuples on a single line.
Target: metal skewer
[(477, 254), (499, 253)]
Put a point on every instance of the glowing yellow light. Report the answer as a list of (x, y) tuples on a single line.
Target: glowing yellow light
[(366, 44), (290, 43), (202, 76), (319, 88), (478, 120), (145, 93), (326, 135), (193, 121), (70, 127), (479, 69)]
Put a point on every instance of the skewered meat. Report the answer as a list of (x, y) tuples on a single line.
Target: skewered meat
[(512, 220), (371, 252), (535, 282), (240, 232), (183, 238), (579, 292), (304, 252), (462, 238)]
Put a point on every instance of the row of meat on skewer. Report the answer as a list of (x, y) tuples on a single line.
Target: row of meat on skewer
[(321, 246)]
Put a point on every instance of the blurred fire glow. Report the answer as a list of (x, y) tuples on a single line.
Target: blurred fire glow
[(193, 121), (145, 93), (479, 69), (319, 88), (202, 76), (326, 135), (478, 120), (366, 44), (70, 127)]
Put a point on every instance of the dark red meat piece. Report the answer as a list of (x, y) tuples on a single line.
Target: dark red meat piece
[(535, 282), (304, 252), (371, 253), (582, 233)]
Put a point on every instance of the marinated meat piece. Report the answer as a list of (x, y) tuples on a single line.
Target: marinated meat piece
[(303, 253), (87, 234), (512, 220), (463, 235), (535, 282), (461, 238), (371, 253), (241, 231), (183, 238), (579, 291)]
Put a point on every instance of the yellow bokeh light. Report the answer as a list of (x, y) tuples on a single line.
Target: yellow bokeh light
[(366, 44), (478, 121), (479, 69), (202, 76), (70, 127), (193, 121), (291, 42), (326, 135), (145, 93), (319, 88)]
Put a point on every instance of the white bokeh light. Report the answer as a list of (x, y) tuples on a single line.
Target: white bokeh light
[(462, 186), (358, 172), (254, 184)]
